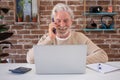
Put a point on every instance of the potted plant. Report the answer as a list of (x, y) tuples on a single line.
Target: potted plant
[(20, 16), (20, 13), (34, 17), (4, 43)]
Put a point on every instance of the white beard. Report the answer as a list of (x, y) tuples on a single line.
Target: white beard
[(63, 31)]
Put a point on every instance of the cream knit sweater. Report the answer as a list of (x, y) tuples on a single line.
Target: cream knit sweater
[(94, 53)]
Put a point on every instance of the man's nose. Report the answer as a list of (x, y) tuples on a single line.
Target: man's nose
[(62, 24)]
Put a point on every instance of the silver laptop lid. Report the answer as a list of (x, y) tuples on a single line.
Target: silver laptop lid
[(60, 59)]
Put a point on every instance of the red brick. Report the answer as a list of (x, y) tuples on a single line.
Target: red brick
[(115, 36), (3, 3), (38, 32), (103, 36), (110, 32), (44, 27), (91, 2), (42, 22), (11, 3), (8, 22), (103, 46), (115, 46), (17, 27), (13, 41), (116, 51), (30, 36), (107, 50), (73, 8), (91, 36), (45, 3), (34, 26), (98, 41), (20, 60), (46, 12), (23, 32), (80, 8), (15, 37), (76, 27), (18, 46), (21, 42), (114, 55), (42, 7), (96, 32), (56, 2), (74, 3), (34, 41), (9, 18), (103, 2), (77, 12), (28, 46), (49, 7)]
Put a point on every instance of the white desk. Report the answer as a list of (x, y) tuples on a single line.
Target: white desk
[(89, 75)]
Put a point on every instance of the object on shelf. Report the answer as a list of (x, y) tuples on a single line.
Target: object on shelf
[(106, 25), (95, 9), (27, 18), (20, 16), (34, 17), (5, 10), (109, 9), (91, 25)]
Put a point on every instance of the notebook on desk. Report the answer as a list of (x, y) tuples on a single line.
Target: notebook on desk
[(102, 67), (60, 59)]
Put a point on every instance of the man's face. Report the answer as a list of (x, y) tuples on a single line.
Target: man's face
[(64, 22)]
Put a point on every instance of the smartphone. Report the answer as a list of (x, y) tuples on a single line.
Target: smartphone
[(54, 30)]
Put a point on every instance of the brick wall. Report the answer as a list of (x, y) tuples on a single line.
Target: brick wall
[(27, 35)]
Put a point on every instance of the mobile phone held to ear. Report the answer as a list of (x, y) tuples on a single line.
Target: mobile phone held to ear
[(54, 30)]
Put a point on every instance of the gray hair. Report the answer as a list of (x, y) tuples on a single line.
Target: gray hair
[(62, 7)]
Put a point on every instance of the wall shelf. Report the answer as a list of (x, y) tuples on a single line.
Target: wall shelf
[(101, 13), (99, 29), (23, 23), (88, 14)]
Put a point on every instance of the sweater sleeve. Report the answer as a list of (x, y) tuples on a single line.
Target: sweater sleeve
[(44, 40), (94, 54)]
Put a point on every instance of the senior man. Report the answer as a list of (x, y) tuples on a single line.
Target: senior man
[(60, 33)]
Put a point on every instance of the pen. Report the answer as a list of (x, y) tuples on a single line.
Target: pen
[(99, 66)]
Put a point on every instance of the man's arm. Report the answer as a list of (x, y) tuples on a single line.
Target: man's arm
[(95, 54), (45, 40), (97, 57)]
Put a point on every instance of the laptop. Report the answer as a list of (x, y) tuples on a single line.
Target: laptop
[(60, 59)]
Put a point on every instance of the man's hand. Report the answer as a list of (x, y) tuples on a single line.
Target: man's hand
[(52, 25)]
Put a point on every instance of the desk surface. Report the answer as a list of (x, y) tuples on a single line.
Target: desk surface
[(89, 75)]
